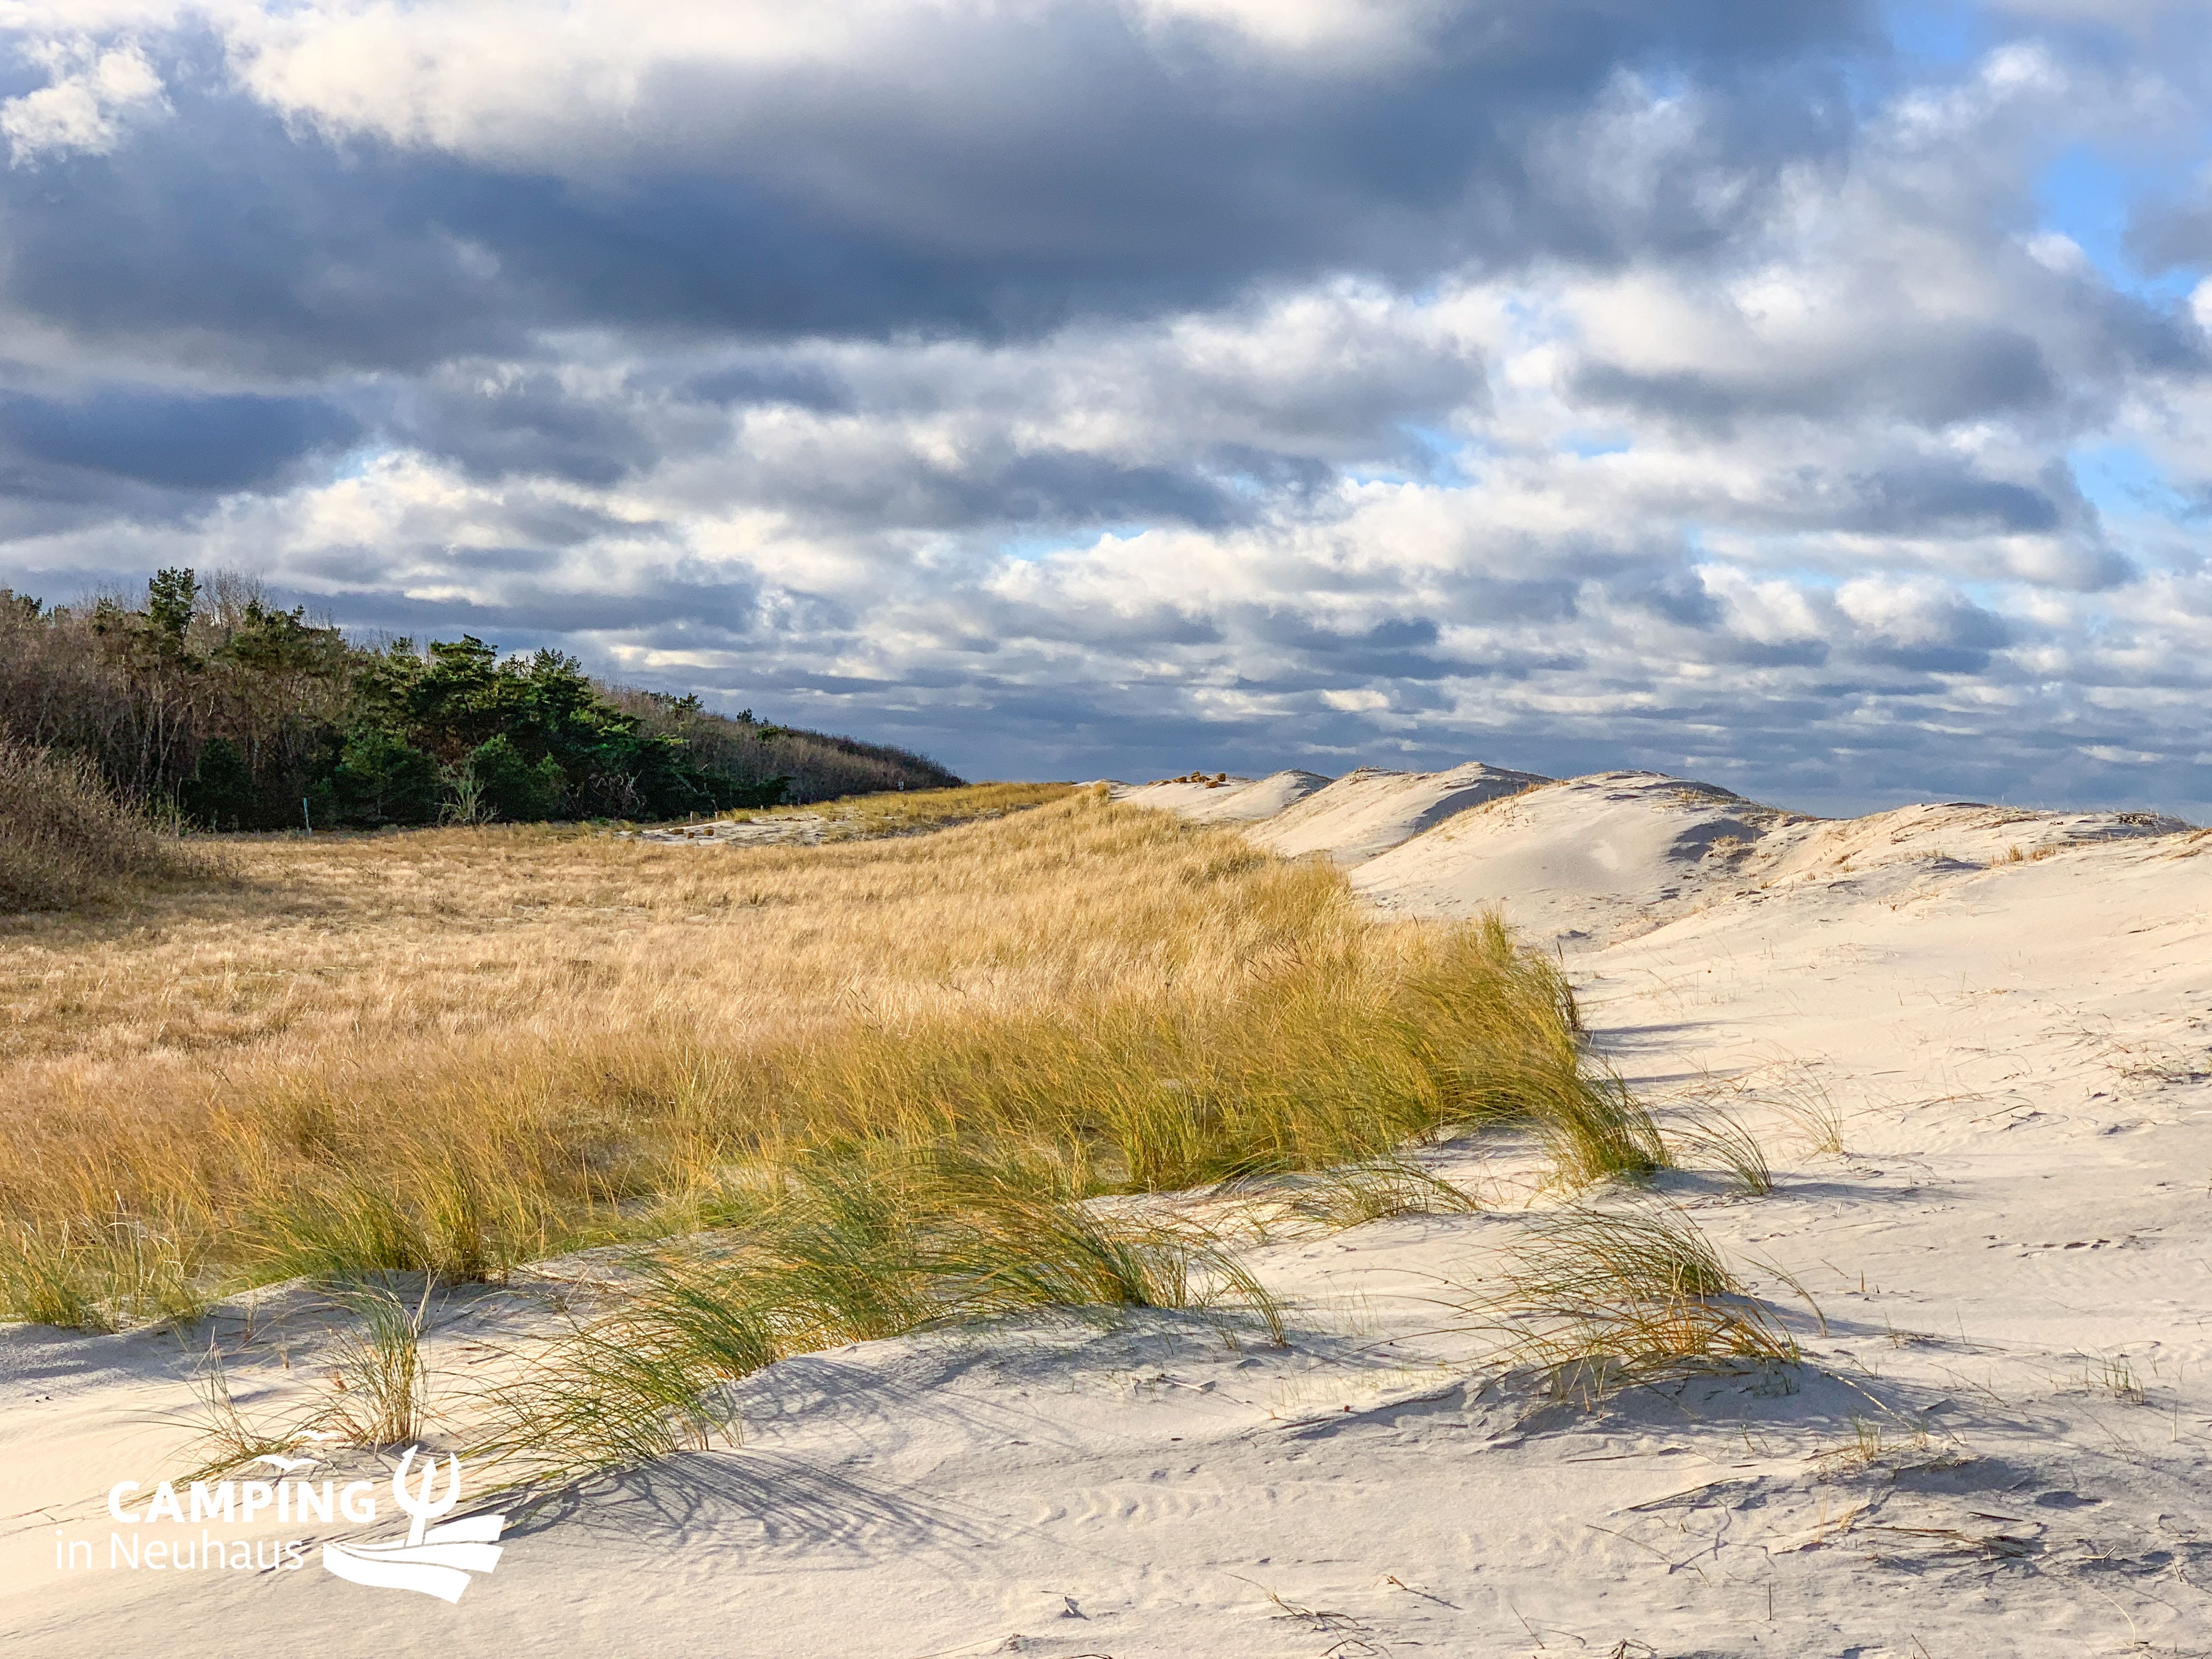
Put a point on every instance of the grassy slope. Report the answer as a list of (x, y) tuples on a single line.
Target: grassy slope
[(857, 818), (460, 1048)]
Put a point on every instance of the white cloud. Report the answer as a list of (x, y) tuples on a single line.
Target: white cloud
[(1322, 36), (1364, 700), (92, 99)]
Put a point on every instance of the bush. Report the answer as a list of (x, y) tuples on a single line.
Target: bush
[(65, 835), (382, 779), (221, 791), (513, 788)]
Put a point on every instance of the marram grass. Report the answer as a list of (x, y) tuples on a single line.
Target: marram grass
[(850, 1246), (454, 1052), (1596, 1298)]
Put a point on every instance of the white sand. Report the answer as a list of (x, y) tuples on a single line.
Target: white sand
[(1580, 860), (1367, 813), (2019, 1053), (1237, 800)]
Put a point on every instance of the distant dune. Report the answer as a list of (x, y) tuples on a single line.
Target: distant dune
[(1594, 860)]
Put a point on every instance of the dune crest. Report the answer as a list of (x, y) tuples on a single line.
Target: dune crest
[(1230, 800), (1582, 862), (1364, 814)]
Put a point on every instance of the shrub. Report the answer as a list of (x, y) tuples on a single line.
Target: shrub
[(221, 791), (65, 839), (513, 788), (382, 779)]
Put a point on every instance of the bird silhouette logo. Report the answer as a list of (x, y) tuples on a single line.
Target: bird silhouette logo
[(435, 1561), (287, 1465)]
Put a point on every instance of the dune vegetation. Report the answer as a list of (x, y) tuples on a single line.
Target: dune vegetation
[(462, 1049), (814, 1094), (67, 839), (204, 700)]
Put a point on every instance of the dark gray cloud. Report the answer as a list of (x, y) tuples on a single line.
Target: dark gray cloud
[(166, 441), (973, 172), (223, 241), (494, 423), (1967, 374)]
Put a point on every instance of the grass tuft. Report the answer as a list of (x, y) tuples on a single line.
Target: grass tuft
[(225, 1437), (850, 1247), (1715, 1135), (377, 1371), (1808, 1104), (2115, 1374), (1376, 1190), (1597, 1131), (1600, 1297)]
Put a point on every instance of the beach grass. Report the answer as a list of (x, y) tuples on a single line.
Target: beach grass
[(853, 1247), (1598, 1298), (456, 1051)]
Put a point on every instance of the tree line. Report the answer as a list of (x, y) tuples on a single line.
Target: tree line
[(205, 700)]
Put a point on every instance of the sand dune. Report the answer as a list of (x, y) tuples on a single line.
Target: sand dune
[(1367, 813), (2000, 1443), (1963, 833), (1577, 861), (1237, 800), (1596, 860)]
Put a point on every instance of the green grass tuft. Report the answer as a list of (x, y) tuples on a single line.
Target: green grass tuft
[(854, 1247), (1601, 1297)]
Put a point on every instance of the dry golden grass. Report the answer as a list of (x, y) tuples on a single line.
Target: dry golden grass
[(855, 816), (452, 1050), (1597, 1298)]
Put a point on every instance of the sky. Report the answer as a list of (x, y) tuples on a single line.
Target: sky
[(1814, 399)]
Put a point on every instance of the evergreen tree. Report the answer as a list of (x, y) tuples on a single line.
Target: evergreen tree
[(172, 597), (209, 698), (380, 778), (221, 791)]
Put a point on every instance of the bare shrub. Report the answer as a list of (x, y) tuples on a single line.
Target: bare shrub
[(66, 839)]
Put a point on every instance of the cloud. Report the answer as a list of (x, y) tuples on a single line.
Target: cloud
[(210, 444), (91, 100), (1073, 387), (376, 183)]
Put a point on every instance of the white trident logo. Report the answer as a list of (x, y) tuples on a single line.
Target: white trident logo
[(435, 1560)]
